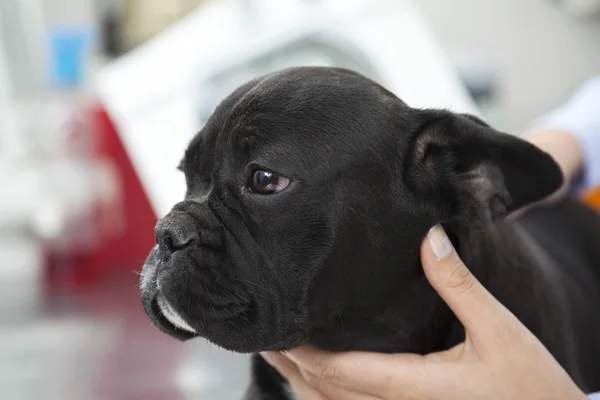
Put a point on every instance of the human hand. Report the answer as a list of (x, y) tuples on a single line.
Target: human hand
[(499, 360)]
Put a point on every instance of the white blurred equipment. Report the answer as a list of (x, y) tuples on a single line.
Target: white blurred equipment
[(160, 94), (48, 188)]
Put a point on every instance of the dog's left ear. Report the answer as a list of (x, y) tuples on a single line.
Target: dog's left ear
[(462, 168)]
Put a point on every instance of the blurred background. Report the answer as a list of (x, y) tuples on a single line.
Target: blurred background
[(99, 98)]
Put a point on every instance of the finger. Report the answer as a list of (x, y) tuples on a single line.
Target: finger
[(474, 306), (359, 371), (397, 376), (292, 374)]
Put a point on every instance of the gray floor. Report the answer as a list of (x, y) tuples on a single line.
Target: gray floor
[(542, 53)]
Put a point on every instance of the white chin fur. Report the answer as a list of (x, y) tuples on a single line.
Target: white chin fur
[(172, 315)]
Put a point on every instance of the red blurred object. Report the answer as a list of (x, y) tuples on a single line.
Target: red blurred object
[(118, 248)]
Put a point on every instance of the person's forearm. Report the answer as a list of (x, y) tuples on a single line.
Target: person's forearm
[(571, 134), (564, 148)]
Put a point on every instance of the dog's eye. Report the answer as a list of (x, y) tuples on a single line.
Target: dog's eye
[(266, 182)]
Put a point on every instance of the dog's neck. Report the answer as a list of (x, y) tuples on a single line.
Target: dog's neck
[(415, 319)]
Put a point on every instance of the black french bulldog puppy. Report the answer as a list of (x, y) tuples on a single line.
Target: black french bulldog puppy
[(309, 192)]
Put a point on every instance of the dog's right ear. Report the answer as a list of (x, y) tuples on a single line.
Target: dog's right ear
[(459, 167)]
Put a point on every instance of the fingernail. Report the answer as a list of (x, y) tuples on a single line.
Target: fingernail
[(439, 242), (268, 358)]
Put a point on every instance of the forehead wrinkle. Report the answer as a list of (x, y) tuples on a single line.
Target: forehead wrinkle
[(245, 125), (276, 106)]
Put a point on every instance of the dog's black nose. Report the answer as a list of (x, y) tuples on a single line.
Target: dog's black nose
[(171, 237)]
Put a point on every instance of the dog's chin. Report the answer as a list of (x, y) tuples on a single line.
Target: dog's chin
[(240, 333), (164, 316), (235, 333), (188, 304)]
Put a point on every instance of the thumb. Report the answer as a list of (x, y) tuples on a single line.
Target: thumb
[(472, 304)]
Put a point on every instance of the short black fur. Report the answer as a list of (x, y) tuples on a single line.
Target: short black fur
[(332, 260)]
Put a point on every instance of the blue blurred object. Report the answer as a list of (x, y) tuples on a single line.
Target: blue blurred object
[(69, 52)]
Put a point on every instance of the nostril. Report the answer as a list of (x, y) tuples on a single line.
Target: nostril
[(169, 244), (171, 239), (172, 243)]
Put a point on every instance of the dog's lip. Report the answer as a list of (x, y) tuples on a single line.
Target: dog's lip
[(173, 316), (213, 313), (167, 325)]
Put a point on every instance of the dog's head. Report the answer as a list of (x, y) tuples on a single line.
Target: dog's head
[(308, 194)]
